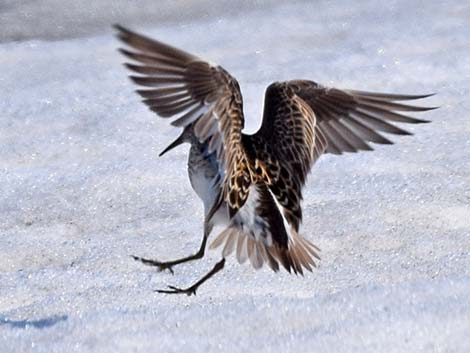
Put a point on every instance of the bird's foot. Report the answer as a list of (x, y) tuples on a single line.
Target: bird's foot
[(192, 289), (175, 290), (161, 266)]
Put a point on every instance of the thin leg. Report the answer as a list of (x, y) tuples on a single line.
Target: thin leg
[(192, 290), (168, 265)]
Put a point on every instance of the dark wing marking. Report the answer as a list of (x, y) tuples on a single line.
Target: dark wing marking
[(286, 146), (195, 93), (351, 119), (302, 120)]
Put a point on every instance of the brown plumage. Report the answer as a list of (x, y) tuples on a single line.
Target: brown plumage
[(253, 184)]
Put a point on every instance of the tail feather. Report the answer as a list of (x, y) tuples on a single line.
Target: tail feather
[(260, 233), (297, 257), (242, 253), (230, 243)]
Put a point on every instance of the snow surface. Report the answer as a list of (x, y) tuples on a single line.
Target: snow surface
[(82, 189)]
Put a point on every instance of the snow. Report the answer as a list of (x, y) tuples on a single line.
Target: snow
[(82, 189)]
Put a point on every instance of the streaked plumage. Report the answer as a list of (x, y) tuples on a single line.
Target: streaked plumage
[(252, 184)]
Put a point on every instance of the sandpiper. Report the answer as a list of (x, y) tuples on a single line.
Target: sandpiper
[(252, 184)]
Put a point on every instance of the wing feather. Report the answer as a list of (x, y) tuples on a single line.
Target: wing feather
[(197, 94), (360, 113), (302, 120)]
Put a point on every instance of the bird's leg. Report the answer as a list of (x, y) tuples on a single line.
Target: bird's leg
[(192, 289), (168, 265)]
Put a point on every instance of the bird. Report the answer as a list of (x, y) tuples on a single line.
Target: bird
[(251, 184)]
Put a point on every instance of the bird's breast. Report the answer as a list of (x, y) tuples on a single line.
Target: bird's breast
[(204, 175)]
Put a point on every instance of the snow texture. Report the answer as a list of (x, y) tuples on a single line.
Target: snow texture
[(82, 189)]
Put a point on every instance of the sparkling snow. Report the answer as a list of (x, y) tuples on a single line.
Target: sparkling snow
[(82, 189)]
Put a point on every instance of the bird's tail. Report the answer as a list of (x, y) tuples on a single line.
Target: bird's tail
[(259, 233)]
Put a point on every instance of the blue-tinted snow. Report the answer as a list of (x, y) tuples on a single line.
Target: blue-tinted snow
[(82, 188)]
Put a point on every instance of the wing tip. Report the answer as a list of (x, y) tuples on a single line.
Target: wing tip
[(135, 79), (121, 29), (125, 52), (427, 95), (389, 96), (133, 67), (417, 121), (419, 96), (426, 109)]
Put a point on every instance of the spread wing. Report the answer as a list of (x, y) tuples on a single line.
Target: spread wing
[(198, 96), (351, 119), (303, 120)]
